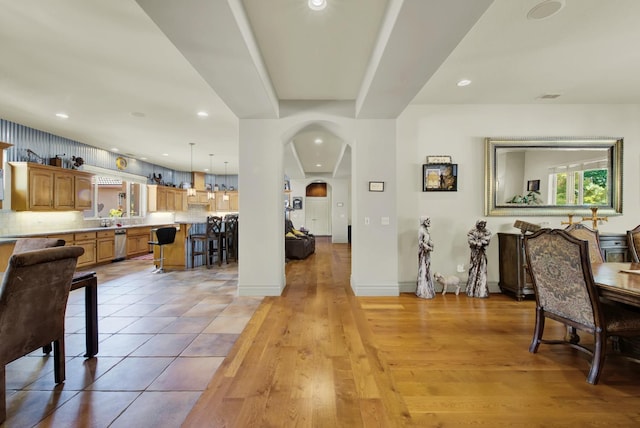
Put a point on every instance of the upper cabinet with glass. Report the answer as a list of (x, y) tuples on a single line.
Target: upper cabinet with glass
[(553, 176)]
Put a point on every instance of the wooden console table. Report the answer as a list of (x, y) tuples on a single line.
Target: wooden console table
[(512, 263)]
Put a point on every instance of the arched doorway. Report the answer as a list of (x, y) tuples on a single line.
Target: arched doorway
[(318, 208)]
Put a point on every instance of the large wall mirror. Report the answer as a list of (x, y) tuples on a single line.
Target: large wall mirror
[(553, 176)]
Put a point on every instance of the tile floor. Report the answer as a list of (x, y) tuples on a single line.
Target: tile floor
[(162, 337)]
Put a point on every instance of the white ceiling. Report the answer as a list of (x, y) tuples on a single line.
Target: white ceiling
[(132, 74)]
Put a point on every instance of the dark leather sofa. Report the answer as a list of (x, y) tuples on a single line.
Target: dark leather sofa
[(297, 247)]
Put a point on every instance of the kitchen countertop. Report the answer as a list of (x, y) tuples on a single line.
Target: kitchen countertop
[(12, 238)]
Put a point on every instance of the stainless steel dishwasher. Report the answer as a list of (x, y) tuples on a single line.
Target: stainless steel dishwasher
[(120, 245)]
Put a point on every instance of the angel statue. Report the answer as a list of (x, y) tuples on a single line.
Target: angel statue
[(425, 288), (478, 238)]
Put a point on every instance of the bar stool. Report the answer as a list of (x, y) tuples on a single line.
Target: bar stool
[(198, 240), (231, 237), (215, 235), (210, 241), (164, 236)]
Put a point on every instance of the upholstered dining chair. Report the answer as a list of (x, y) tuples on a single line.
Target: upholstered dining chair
[(565, 291), (581, 231), (33, 300), (633, 241), (30, 244)]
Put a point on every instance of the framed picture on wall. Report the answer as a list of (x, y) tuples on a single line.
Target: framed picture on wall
[(533, 185), (297, 202), (440, 177)]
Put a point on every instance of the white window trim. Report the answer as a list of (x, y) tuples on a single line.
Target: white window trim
[(132, 178)]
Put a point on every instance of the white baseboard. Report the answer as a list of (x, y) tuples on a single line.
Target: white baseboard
[(410, 287), (259, 290)]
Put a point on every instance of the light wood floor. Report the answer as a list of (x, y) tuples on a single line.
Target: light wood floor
[(319, 357)]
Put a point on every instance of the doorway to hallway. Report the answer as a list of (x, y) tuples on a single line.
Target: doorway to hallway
[(317, 216)]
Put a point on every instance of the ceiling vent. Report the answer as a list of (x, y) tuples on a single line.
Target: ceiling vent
[(549, 96), (546, 9)]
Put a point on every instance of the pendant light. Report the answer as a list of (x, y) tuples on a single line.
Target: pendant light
[(225, 197), (210, 194), (191, 191)]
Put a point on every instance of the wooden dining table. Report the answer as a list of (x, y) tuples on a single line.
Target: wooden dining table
[(615, 284)]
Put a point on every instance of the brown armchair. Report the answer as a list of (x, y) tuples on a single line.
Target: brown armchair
[(565, 291), (33, 300)]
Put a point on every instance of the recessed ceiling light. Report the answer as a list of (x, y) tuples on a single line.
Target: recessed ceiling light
[(318, 141), (115, 149), (143, 158), (545, 9), (317, 4), (165, 154), (203, 114), (464, 82), (318, 165), (62, 115)]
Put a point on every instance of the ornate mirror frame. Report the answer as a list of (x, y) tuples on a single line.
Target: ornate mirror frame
[(494, 145)]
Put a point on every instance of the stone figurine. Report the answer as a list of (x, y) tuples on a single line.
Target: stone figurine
[(478, 238), (425, 288)]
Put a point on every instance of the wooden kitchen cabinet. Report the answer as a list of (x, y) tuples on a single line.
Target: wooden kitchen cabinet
[(105, 246), (229, 205), (163, 198), (138, 241), (86, 240), (180, 196), (36, 187), (83, 189), (34, 194)]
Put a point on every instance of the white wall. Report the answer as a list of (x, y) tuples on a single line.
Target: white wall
[(374, 255), (459, 131), (261, 230)]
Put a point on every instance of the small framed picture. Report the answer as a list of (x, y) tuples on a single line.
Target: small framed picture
[(439, 159), (376, 186), (297, 202), (533, 186), (440, 177)]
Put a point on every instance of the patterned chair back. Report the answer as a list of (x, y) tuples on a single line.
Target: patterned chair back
[(633, 241), (561, 272), (581, 231)]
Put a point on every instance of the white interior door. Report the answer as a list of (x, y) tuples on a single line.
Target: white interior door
[(317, 215)]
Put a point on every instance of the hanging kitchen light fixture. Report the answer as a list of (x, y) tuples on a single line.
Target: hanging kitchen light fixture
[(225, 197), (210, 194), (191, 191)]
